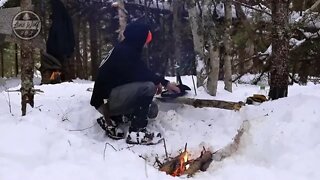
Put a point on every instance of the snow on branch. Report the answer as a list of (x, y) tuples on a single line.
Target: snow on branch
[(264, 10), (2, 2)]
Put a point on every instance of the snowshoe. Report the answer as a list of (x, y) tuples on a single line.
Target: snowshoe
[(115, 133), (102, 123), (143, 137), (112, 130)]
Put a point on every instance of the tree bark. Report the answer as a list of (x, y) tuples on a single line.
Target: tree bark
[(213, 43), (2, 60), (280, 49), (27, 63), (85, 48), (227, 45), (177, 25), (122, 19), (213, 76), (198, 41), (93, 47), (78, 62), (16, 60)]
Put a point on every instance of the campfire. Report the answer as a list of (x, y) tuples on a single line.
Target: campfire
[(183, 165)]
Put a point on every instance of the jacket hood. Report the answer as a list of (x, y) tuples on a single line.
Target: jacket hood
[(136, 34)]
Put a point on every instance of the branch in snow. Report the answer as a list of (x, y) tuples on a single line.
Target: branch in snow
[(84, 128), (294, 43), (268, 52), (231, 148)]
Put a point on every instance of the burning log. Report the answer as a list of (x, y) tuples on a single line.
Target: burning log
[(177, 164), (181, 165), (201, 163)]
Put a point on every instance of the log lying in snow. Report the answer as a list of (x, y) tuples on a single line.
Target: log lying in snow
[(199, 103)]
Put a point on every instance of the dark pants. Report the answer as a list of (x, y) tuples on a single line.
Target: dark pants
[(132, 98)]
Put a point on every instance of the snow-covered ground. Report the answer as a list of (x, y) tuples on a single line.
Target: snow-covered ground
[(52, 141)]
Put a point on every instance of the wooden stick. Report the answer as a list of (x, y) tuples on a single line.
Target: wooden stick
[(165, 148), (19, 90)]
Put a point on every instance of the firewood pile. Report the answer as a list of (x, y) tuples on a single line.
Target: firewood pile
[(183, 165)]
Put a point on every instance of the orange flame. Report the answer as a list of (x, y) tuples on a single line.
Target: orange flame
[(183, 164)]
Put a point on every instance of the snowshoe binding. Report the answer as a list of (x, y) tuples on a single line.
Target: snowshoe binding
[(143, 137)]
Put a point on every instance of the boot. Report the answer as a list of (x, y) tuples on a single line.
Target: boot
[(138, 134)]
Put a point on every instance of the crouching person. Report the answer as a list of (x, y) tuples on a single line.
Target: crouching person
[(124, 86)]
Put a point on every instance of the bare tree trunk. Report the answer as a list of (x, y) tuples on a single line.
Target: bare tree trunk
[(227, 45), (93, 47), (213, 76), (2, 60), (177, 25), (213, 42), (198, 41), (78, 63), (100, 45), (280, 49), (27, 63), (85, 49), (16, 60), (122, 18), (27, 93)]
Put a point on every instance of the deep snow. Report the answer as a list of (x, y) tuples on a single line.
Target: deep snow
[(283, 141)]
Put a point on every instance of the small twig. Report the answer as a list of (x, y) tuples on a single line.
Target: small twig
[(158, 162), (194, 86), (165, 148), (104, 151), (185, 147), (111, 146), (84, 128), (128, 147), (69, 142), (105, 147), (145, 165), (204, 149), (38, 106), (9, 102)]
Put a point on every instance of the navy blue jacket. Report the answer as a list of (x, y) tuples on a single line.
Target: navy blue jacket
[(124, 65)]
